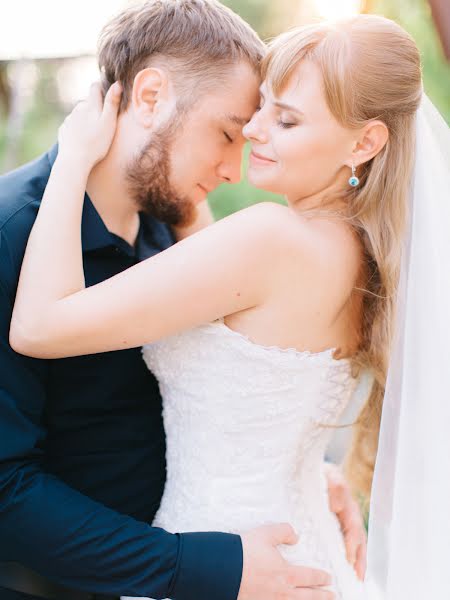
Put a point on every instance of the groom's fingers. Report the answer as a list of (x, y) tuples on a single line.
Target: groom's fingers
[(312, 594), (361, 561), (348, 512), (355, 542), (306, 577), (281, 533)]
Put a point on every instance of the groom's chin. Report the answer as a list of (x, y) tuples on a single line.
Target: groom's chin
[(173, 212)]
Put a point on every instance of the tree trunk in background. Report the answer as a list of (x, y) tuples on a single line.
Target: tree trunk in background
[(20, 98), (440, 9), (368, 6), (5, 96)]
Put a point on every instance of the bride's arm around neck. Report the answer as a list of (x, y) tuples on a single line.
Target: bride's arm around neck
[(223, 269)]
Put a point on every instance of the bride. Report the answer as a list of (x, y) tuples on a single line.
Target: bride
[(258, 326)]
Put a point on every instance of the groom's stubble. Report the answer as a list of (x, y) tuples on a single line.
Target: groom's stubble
[(149, 174)]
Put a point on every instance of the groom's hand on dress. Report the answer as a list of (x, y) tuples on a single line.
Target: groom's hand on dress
[(267, 575), (350, 518)]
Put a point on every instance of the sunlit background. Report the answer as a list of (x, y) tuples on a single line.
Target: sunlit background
[(333, 10)]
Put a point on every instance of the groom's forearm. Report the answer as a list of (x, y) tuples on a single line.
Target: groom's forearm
[(69, 538), (81, 544)]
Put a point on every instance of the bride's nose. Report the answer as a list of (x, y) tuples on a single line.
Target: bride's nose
[(254, 130)]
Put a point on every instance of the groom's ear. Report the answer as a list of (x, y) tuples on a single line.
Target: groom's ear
[(151, 95)]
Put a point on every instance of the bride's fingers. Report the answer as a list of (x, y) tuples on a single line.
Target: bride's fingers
[(111, 104), (95, 97)]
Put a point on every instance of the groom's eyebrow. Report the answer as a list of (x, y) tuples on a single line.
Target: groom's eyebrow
[(237, 120)]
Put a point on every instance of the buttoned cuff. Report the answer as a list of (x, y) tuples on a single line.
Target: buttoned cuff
[(209, 565)]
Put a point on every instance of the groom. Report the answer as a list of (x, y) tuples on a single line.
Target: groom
[(82, 448)]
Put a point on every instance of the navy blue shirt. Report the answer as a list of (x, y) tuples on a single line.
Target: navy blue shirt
[(82, 444)]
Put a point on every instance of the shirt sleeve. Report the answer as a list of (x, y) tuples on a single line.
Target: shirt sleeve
[(66, 536)]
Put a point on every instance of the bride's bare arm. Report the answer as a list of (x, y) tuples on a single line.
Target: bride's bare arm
[(203, 277)]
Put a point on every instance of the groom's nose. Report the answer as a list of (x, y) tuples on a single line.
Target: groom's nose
[(230, 168)]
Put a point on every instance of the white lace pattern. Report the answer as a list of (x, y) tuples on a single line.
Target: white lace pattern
[(247, 431)]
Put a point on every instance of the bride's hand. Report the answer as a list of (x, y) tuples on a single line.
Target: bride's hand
[(87, 133)]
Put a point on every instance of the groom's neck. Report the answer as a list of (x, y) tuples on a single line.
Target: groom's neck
[(108, 192)]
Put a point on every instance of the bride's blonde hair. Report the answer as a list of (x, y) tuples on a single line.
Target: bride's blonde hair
[(371, 70)]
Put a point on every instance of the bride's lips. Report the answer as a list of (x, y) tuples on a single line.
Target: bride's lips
[(260, 160)]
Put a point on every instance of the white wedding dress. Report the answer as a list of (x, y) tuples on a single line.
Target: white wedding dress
[(246, 429)]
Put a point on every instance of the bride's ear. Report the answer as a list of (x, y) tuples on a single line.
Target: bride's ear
[(372, 139), (150, 95)]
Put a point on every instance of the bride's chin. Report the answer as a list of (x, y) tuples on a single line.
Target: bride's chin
[(263, 183)]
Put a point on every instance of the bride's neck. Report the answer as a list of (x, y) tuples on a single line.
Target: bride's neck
[(329, 199)]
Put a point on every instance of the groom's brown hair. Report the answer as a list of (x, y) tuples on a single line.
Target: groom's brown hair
[(197, 40)]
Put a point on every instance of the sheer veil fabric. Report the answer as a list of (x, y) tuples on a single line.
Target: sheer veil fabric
[(409, 526)]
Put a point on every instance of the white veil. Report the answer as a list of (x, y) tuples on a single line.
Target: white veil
[(409, 526)]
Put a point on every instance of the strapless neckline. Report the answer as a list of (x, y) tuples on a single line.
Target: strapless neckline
[(322, 354)]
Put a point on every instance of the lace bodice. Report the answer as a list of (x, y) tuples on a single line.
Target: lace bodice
[(247, 427)]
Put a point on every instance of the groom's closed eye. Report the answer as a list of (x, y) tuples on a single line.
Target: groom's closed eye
[(238, 120)]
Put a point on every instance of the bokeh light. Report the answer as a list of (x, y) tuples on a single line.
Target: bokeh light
[(335, 9)]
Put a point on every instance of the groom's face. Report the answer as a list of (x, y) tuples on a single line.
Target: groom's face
[(195, 151)]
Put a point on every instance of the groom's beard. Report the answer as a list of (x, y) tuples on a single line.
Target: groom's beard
[(148, 177)]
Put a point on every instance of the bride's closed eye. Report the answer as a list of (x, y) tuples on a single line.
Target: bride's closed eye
[(285, 124)]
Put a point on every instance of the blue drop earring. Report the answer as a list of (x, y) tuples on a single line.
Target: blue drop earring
[(353, 181)]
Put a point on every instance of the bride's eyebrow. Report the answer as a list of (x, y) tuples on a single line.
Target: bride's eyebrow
[(288, 107), (283, 105)]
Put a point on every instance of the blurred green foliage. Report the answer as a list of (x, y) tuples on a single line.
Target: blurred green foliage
[(268, 18), (415, 17)]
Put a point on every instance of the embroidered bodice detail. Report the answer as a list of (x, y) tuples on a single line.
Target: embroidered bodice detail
[(247, 428)]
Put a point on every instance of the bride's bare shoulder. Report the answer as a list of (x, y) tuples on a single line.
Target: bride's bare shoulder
[(320, 238)]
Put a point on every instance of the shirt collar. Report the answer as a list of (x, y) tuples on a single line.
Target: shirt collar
[(153, 236)]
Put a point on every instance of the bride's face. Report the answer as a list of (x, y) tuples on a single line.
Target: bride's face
[(298, 148)]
